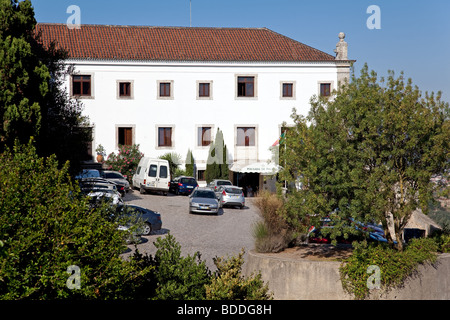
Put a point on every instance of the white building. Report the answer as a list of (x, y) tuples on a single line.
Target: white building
[(169, 89)]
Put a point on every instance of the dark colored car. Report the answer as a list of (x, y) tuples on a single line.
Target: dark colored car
[(152, 220), (183, 185), (116, 177)]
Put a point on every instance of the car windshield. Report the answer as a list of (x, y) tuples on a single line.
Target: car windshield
[(204, 194), (233, 190), (224, 183), (112, 175), (190, 181)]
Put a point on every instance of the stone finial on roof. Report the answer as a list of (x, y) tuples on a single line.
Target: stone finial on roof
[(341, 48)]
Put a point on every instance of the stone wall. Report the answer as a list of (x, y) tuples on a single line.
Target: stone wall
[(302, 279)]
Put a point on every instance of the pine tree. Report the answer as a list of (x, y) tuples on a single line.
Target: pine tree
[(217, 166), (32, 103), (190, 164)]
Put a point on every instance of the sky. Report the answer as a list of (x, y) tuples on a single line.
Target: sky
[(410, 36)]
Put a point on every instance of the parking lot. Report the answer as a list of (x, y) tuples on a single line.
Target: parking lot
[(213, 235)]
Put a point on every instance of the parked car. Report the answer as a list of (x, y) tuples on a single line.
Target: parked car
[(151, 219), (203, 200), (183, 185), (99, 190), (216, 183), (231, 196), (373, 232), (152, 175), (123, 186)]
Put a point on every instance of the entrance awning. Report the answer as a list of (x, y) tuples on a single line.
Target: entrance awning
[(263, 168)]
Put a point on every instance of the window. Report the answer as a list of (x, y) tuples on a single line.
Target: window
[(152, 170), (125, 136), (288, 90), (164, 137), (164, 89), (163, 172), (325, 89), (246, 137), (201, 175), (204, 135), (81, 85), (245, 86), (125, 89), (204, 90)]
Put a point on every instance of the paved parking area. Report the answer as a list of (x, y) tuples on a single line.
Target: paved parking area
[(213, 235)]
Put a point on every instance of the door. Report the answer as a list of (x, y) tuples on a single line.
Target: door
[(163, 176), (137, 176)]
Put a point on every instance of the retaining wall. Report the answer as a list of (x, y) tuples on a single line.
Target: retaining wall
[(302, 279)]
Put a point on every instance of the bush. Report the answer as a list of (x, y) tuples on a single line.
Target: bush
[(272, 233), (229, 284), (46, 226), (188, 278), (126, 161), (395, 266), (177, 277)]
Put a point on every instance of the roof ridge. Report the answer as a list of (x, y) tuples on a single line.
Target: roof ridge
[(152, 27)]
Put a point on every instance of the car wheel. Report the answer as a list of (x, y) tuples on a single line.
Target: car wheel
[(141, 190), (147, 229)]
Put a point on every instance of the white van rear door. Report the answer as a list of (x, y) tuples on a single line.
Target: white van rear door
[(163, 176)]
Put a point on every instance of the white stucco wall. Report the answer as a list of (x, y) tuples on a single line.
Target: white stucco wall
[(185, 112)]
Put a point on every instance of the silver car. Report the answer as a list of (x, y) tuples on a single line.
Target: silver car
[(232, 196), (203, 200)]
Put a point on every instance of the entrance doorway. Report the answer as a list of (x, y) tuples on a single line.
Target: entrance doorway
[(249, 182)]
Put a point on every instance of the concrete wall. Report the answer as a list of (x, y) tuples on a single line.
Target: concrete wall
[(301, 279)]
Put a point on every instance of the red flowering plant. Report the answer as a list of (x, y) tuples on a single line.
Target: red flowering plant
[(126, 161)]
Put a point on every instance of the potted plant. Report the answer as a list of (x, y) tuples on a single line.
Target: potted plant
[(100, 153)]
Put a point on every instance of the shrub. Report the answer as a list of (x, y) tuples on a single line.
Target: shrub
[(126, 161), (188, 278), (229, 284), (395, 266), (46, 226), (177, 277), (272, 233)]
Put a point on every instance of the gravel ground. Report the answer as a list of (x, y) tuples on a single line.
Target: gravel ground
[(220, 235)]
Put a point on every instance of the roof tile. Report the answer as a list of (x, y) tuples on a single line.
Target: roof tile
[(177, 43)]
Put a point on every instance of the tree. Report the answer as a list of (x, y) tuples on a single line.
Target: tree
[(174, 162), (190, 164), (32, 103), (217, 165), (368, 154), (46, 226)]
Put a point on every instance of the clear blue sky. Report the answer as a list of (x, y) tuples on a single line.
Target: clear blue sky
[(414, 35)]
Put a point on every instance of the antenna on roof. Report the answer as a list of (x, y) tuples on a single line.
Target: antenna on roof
[(190, 13)]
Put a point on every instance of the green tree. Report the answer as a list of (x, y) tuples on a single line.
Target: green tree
[(190, 164), (32, 103), (47, 226), (174, 161), (368, 154), (217, 165)]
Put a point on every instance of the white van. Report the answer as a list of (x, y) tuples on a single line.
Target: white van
[(152, 175)]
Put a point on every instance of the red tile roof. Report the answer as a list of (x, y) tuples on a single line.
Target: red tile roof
[(177, 43)]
